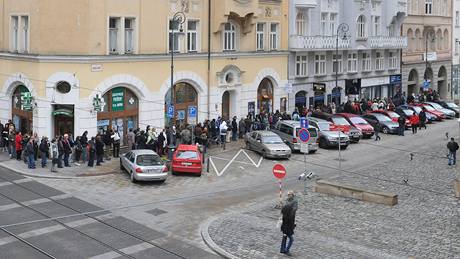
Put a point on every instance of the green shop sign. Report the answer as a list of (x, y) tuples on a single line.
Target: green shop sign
[(26, 101), (118, 97)]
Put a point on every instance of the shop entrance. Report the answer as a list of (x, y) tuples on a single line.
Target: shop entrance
[(265, 96), (183, 96), (21, 117), (63, 119)]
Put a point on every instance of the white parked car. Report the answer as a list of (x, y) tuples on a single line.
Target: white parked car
[(144, 165)]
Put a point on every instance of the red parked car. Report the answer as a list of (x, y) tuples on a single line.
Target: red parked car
[(366, 129), (187, 159), (394, 116), (439, 115)]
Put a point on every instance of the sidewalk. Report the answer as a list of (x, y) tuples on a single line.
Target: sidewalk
[(75, 171)]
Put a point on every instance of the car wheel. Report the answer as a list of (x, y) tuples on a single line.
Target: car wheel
[(248, 147), (264, 154), (312, 152), (133, 179), (344, 147), (173, 172), (162, 181), (322, 143), (385, 130), (121, 166)]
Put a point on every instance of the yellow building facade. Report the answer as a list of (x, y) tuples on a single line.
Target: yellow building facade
[(91, 65)]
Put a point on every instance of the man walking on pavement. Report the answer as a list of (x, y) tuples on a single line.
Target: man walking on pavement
[(402, 125), (377, 129), (223, 133), (452, 146), (287, 227)]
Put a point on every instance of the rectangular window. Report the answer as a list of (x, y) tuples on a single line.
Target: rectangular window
[(273, 36), (457, 18), (332, 23), (337, 63), (301, 66), (324, 19), (352, 62), (366, 62), (229, 37), (25, 33), (174, 36), (14, 33), (456, 46), (393, 60), (428, 6), (320, 64), (192, 36), (129, 35), (376, 25), (113, 35), (379, 61), (260, 37)]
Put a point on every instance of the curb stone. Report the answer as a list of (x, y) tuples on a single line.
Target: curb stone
[(48, 176), (210, 243)]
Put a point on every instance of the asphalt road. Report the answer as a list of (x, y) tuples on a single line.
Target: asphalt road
[(163, 220)]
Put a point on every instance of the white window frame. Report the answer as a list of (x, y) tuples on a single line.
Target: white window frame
[(25, 39), (429, 7), (229, 37), (333, 23), (129, 35), (114, 35), (379, 61), (324, 24), (320, 64), (457, 18), (456, 46), (274, 36), (366, 65), (337, 62), (260, 36), (376, 25), (393, 60), (361, 27), (352, 62), (301, 24), (178, 40), (193, 36), (301, 66), (14, 33)]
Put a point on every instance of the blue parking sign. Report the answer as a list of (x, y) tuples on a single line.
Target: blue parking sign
[(192, 111), (303, 123), (171, 111)]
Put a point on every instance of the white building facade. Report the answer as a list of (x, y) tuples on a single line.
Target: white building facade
[(324, 68), (455, 50)]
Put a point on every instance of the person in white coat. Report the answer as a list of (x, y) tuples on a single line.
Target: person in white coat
[(223, 133)]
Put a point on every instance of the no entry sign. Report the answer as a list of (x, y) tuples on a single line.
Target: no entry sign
[(279, 171)]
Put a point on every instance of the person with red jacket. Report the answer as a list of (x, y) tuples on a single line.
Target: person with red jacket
[(414, 120), (18, 141)]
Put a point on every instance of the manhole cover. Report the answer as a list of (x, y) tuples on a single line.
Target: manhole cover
[(156, 212)]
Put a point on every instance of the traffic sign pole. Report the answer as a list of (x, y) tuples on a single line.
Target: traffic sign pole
[(279, 171), (281, 193)]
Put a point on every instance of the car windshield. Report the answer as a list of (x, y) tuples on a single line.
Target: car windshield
[(382, 117), (429, 108), (436, 106), (324, 126), (187, 154), (340, 121), (452, 105), (271, 140), (358, 121), (408, 112), (417, 109), (393, 114), (148, 160)]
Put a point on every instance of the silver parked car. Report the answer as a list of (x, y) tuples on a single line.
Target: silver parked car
[(327, 137), (449, 113), (267, 143), (144, 165)]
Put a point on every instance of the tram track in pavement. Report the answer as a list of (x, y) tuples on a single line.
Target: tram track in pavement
[(48, 254)]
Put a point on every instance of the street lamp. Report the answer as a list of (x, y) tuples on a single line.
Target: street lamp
[(177, 19), (429, 36), (342, 31)]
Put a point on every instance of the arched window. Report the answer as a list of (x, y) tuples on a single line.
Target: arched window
[(411, 40), (229, 37), (439, 39), (301, 24), (418, 40), (446, 39), (361, 27)]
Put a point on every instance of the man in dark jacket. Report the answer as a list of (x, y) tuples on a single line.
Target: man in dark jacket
[(108, 143), (234, 129), (99, 150), (84, 144), (422, 117), (60, 145), (452, 146), (44, 149), (91, 152), (402, 124), (287, 227), (67, 150), (30, 153)]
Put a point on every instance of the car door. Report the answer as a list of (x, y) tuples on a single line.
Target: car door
[(258, 143), (252, 140), (131, 162), (125, 159)]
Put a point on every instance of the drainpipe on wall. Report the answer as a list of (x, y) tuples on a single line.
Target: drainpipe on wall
[(209, 59)]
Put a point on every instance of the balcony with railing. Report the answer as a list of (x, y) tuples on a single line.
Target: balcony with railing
[(301, 43), (376, 42)]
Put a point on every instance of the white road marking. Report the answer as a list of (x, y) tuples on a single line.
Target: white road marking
[(25, 180), (5, 184), (230, 161), (9, 206), (108, 255), (37, 201), (136, 248)]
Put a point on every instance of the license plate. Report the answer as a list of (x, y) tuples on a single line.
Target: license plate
[(187, 164)]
